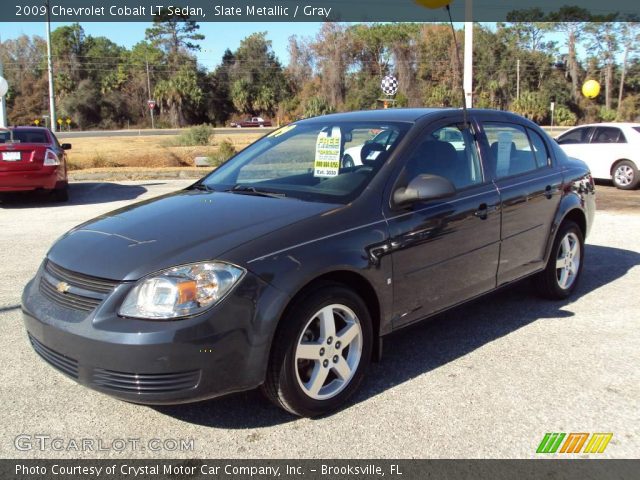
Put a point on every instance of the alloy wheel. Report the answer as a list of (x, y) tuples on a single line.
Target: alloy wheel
[(328, 352), (624, 175), (568, 261)]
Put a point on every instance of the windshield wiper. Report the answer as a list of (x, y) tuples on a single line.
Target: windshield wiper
[(201, 186), (249, 190)]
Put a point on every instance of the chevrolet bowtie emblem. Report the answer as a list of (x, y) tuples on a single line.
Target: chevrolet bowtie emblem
[(62, 287)]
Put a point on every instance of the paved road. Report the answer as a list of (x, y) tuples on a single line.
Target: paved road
[(484, 381), (144, 132)]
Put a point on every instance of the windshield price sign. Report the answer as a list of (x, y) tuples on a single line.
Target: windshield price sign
[(327, 161)]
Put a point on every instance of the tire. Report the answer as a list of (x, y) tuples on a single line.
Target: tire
[(625, 175), (347, 162), (60, 195), (338, 369), (559, 278)]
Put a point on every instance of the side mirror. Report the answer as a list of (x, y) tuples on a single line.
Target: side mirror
[(66, 146), (423, 188)]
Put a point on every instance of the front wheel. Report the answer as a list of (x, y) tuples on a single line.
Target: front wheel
[(625, 175), (320, 353), (560, 277)]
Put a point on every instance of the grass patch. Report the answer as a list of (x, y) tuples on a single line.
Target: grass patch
[(148, 151)]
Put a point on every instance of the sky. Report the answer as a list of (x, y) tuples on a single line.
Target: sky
[(218, 36)]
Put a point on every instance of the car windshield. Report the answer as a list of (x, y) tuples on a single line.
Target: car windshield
[(326, 162)]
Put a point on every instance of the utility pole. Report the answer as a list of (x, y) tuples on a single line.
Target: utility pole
[(468, 53), (518, 80), (52, 99), (151, 109), (3, 107)]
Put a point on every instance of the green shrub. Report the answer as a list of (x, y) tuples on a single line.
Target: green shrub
[(198, 135), (226, 150), (563, 117)]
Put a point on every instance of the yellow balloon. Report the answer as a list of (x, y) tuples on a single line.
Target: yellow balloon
[(591, 89), (433, 3)]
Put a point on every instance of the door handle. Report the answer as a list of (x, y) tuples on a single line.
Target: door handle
[(483, 211), (548, 192)]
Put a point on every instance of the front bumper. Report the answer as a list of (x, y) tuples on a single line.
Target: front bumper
[(152, 362), (45, 178)]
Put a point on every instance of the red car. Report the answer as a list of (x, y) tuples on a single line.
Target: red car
[(252, 122), (32, 159)]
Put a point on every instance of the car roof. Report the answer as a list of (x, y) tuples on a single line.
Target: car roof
[(410, 115), (609, 124)]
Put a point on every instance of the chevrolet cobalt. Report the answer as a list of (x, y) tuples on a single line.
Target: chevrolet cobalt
[(285, 269)]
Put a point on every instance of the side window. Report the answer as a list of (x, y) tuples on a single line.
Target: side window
[(511, 151), (449, 152), (608, 135), (579, 135), (539, 148)]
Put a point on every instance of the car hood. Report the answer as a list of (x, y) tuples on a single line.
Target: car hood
[(184, 227)]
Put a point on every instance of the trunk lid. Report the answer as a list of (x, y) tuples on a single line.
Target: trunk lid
[(21, 156)]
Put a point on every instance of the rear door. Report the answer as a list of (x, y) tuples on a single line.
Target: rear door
[(529, 185), (608, 144), (444, 251)]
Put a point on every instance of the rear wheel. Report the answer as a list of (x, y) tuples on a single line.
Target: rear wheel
[(60, 194), (320, 353), (625, 175), (560, 277)]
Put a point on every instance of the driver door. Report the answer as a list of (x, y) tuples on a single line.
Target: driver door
[(444, 251)]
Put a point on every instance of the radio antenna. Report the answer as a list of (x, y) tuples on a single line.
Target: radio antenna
[(460, 72)]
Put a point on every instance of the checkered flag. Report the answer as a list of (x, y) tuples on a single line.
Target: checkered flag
[(389, 85)]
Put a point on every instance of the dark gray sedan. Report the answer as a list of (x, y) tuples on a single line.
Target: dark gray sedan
[(285, 268)]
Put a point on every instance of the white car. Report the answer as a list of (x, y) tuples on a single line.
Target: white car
[(353, 156), (611, 150)]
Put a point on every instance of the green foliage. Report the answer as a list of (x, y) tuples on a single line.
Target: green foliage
[(173, 32), (563, 117), (629, 110), (256, 78), (607, 114), (226, 150), (194, 136), (531, 105), (316, 106), (100, 84)]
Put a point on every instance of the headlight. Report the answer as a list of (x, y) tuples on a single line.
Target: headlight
[(181, 291)]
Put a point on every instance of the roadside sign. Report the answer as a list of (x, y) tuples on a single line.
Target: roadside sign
[(37, 122), (151, 104), (59, 121), (68, 121)]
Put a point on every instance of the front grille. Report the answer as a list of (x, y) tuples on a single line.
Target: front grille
[(69, 300), (83, 292), (61, 362), (145, 383), (85, 282)]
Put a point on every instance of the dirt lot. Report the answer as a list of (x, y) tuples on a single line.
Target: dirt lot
[(611, 199)]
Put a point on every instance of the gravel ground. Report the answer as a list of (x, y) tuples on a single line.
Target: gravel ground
[(486, 380)]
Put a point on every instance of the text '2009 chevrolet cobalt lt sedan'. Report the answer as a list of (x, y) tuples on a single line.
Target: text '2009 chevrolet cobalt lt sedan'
[(284, 268)]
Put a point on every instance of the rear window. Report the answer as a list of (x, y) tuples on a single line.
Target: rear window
[(29, 136)]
